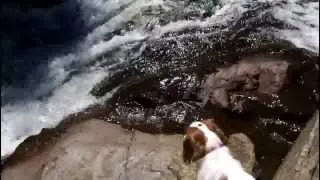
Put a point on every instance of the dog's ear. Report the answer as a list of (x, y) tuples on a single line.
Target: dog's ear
[(211, 124), (187, 149), (193, 145)]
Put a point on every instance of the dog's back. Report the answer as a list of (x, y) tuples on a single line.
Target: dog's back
[(220, 165)]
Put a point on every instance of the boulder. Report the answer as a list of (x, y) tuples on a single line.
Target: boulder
[(243, 149), (263, 85), (264, 75)]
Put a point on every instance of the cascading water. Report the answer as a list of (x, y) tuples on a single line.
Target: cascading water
[(111, 43)]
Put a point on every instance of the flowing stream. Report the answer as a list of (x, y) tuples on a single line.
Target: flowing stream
[(78, 53)]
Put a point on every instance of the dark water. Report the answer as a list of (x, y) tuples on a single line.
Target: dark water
[(30, 36), (55, 58)]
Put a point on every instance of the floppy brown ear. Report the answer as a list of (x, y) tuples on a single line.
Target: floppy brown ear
[(215, 128), (193, 145), (187, 150)]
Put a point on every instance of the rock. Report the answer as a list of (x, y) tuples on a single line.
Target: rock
[(94, 149), (172, 118), (161, 105), (266, 76), (243, 150), (302, 162), (316, 173), (156, 157), (264, 85)]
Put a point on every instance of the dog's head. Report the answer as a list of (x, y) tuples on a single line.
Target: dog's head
[(201, 138)]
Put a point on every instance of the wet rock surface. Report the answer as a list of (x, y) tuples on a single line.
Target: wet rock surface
[(268, 87), (94, 149), (159, 105), (263, 75), (263, 85)]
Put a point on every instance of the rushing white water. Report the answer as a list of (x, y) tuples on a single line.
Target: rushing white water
[(306, 18), (23, 119), (70, 93)]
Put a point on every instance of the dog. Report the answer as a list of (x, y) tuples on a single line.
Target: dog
[(206, 143)]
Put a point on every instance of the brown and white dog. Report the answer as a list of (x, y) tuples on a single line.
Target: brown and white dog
[(206, 142)]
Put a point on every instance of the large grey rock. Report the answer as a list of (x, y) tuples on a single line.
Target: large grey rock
[(267, 76), (96, 150), (264, 86), (243, 149), (302, 162)]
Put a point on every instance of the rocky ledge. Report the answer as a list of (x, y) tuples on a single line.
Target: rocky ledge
[(302, 161), (94, 149)]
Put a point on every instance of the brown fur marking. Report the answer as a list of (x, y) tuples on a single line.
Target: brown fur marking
[(194, 145)]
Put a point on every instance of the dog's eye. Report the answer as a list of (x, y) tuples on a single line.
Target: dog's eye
[(199, 125)]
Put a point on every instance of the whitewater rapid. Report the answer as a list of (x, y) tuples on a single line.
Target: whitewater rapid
[(63, 91)]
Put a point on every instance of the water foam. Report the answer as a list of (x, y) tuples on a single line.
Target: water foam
[(20, 120), (303, 16)]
